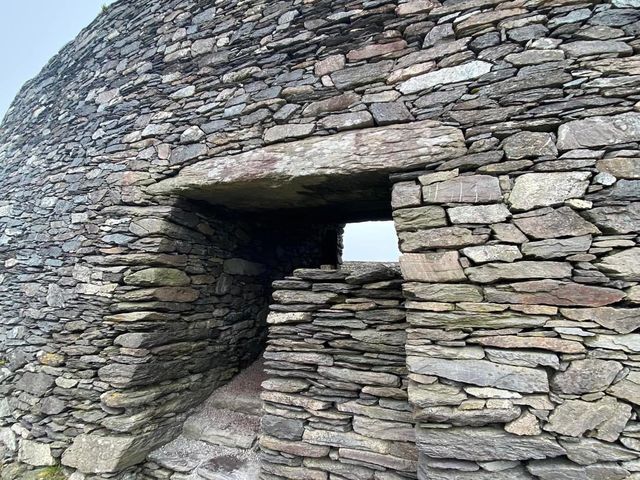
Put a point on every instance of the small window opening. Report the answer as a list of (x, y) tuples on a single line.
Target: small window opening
[(370, 241)]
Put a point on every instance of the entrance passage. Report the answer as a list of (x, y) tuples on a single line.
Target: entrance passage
[(274, 253), (219, 440)]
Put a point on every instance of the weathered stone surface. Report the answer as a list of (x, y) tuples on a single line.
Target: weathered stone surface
[(383, 429), (277, 318), (551, 470), (586, 376), (153, 93), (301, 162), (562, 222), (544, 343), (512, 472), (348, 78), (444, 76), (91, 453), (553, 292), (485, 444), (358, 376), (472, 418), (462, 319), (285, 132), (627, 389), (627, 343), (622, 320), (624, 265), (389, 113), (509, 233), (492, 253), (288, 297), (481, 214), (329, 64), (35, 453), (435, 394), (527, 424), (483, 373), (432, 267), (620, 167), (35, 383), (588, 451), (529, 145), (465, 189), (443, 292), (616, 219), (151, 277), (347, 121), (523, 358), (604, 419), (387, 461), (533, 190), (493, 272), (557, 247), (406, 194), (295, 400), (419, 218), (301, 449), (446, 237), (595, 47), (599, 131)]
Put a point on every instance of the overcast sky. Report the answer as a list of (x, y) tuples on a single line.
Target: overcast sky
[(32, 31)]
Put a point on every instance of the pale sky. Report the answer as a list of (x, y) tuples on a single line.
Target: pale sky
[(32, 31)]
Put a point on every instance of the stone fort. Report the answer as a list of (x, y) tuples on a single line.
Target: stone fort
[(173, 190)]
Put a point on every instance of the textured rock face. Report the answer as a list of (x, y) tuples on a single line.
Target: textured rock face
[(364, 415), (509, 135), (282, 172)]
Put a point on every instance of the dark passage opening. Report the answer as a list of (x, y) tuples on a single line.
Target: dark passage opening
[(259, 236)]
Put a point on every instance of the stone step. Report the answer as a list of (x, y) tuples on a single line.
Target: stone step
[(197, 460), (223, 427)]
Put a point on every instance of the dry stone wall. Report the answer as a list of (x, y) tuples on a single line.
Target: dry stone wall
[(534, 204), (335, 405), (520, 348)]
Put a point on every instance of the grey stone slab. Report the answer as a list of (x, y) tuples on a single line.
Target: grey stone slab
[(604, 419), (586, 376), (479, 214), (482, 373), (485, 444), (445, 76), (533, 190), (599, 131), (493, 272), (562, 222), (464, 189), (492, 253), (557, 247)]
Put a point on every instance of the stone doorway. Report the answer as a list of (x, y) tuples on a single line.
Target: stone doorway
[(233, 226), (219, 438)]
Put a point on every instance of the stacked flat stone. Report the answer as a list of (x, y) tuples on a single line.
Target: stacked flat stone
[(335, 405), (520, 293)]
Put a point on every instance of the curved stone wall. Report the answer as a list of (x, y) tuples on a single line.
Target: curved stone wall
[(535, 217)]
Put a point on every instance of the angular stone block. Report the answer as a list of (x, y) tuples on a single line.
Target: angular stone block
[(482, 373), (599, 131), (533, 190), (432, 267), (464, 189), (485, 444)]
